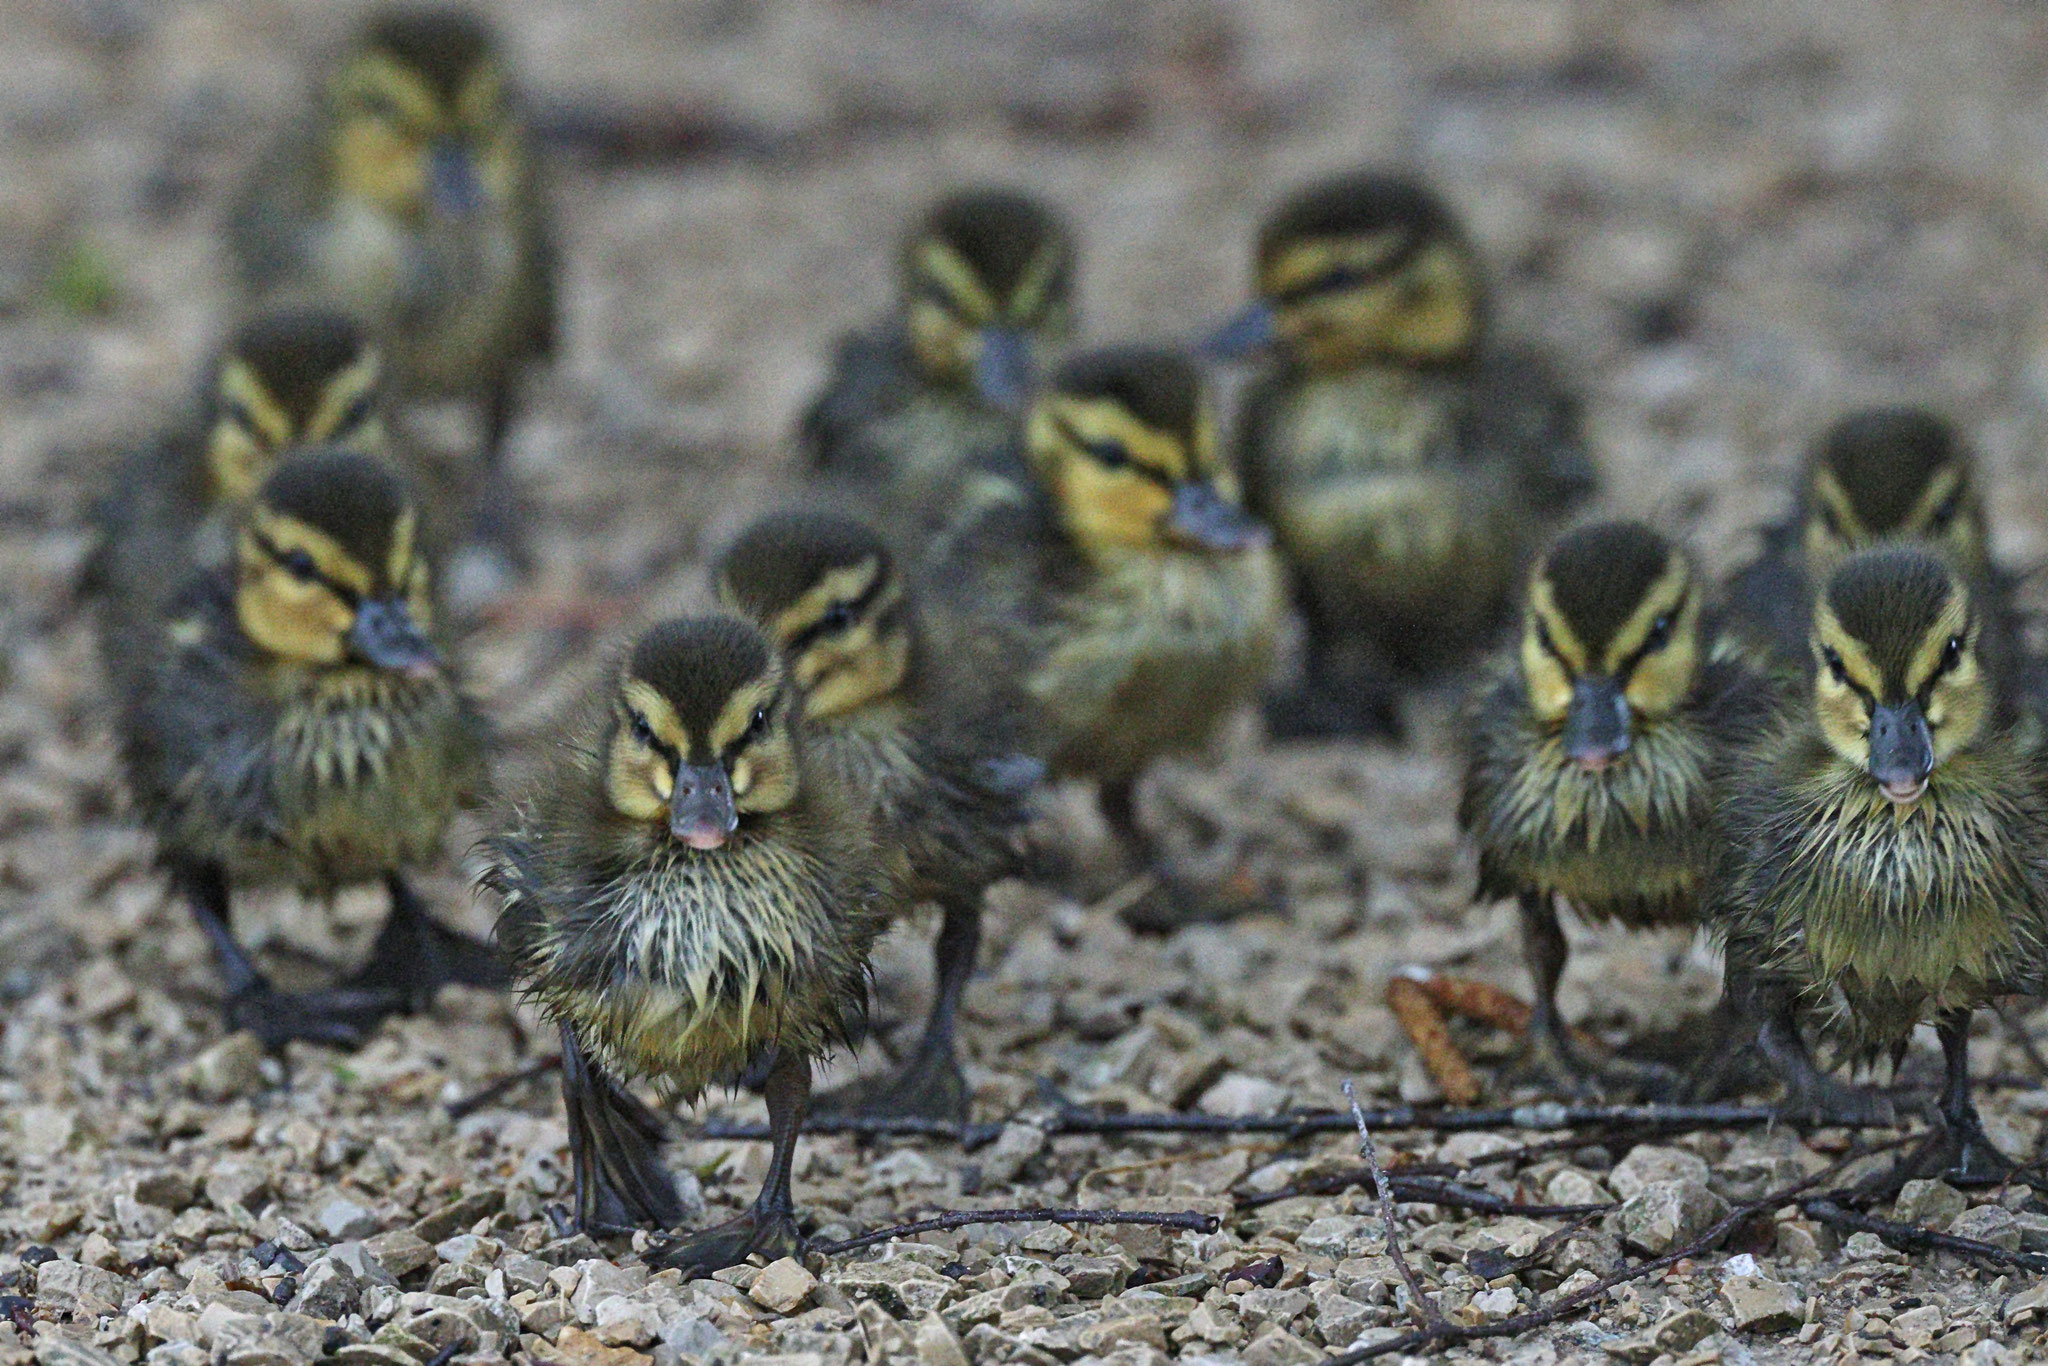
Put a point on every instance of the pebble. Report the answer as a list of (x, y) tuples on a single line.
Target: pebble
[(1929, 1204), (1758, 1304), (1662, 1215), (1239, 1093), (783, 1286)]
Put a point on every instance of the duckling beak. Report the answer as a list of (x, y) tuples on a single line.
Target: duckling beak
[(1002, 368), (1901, 750), (700, 809), (452, 185), (1596, 724), (1252, 330), (385, 635), (1206, 520)]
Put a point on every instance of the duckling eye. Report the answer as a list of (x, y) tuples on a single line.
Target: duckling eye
[(837, 617), (299, 565), (643, 732), (1940, 518), (1952, 653), (1659, 634), (353, 416), (759, 724), (1834, 663), (237, 412), (1109, 454)]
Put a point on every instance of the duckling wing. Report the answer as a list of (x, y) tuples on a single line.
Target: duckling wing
[(1521, 413), (870, 375), (1769, 601)]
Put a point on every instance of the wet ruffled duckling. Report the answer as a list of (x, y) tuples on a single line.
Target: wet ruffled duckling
[(690, 896), (986, 293), (290, 720), (1591, 752), (933, 746), (409, 197), (1886, 841), (1409, 467), (1142, 599)]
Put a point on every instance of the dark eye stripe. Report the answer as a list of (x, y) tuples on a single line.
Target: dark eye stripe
[(822, 627), (284, 560), (1650, 647), (1128, 462)]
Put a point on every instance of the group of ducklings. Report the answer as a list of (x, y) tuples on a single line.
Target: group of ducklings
[(995, 577)]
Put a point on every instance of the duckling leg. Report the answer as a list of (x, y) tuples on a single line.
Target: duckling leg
[(343, 1017), (1973, 1160), (1545, 951), (769, 1226), (1341, 693), (414, 955), (1117, 799), (614, 1149), (1810, 1092), (930, 1084)]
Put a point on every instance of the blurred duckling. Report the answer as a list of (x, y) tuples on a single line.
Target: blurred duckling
[(1142, 599), (286, 378), (409, 196), (1591, 750), (1885, 841), (987, 284), (690, 895), (1409, 468), (296, 725), (931, 746)]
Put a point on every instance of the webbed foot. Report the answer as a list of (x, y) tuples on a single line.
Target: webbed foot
[(415, 956), (769, 1231), (1824, 1100), (1582, 1076), (342, 1018), (928, 1086)]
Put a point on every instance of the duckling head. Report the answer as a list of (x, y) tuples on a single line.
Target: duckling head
[(1898, 686), (420, 119), (328, 569), (1363, 267), (1124, 441), (826, 589), (1892, 474), (1610, 637), (701, 735), (988, 281), (287, 378)]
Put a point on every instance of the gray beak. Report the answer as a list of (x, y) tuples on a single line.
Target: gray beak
[(1205, 519), (1251, 331), (385, 635), (700, 810), (1901, 750), (1596, 724), (1002, 370), (452, 184)]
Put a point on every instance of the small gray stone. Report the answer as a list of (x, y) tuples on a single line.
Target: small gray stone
[(1651, 1162), (232, 1067), (1664, 1214), (74, 1287), (904, 1288), (344, 1220), (1929, 1204), (1240, 1093), (455, 1218), (1993, 1224), (327, 1290), (361, 1263), (1758, 1304), (55, 1349), (401, 1251), (783, 1286), (597, 1281)]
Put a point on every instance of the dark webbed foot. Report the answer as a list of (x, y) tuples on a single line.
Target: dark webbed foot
[(614, 1149), (771, 1232), (1577, 1073), (928, 1086), (415, 956), (342, 1018)]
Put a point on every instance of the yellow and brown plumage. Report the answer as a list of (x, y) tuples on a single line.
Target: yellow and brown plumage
[(409, 197), (1591, 753), (986, 281), (1886, 841), (289, 720), (687, 894), (930, 746), (1409, 466), (1114, 574)]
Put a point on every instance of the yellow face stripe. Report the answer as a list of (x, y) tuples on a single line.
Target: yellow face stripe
[(1543, 607), (335, 564), (1861, 669), (341, 392), (239, 385), (1309, 260), (1953, 622), (374, 78), (480, 102), (1662, 599), (644, 701), (1028, 299), (951, 272), (1148, 447), (845, 584), (737, 715)]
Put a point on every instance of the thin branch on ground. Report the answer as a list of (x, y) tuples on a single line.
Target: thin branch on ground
[(1542, 1317), (1190, 1220), (1912, 1238), (1424, 1308), (497, 1090)]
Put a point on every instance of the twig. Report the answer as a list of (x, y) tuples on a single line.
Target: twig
[(1454, 1334), (470, 1104), (1425, 1310), (1191, 1220), (1912, 1238), (1431, 1189), (1423, 1021)]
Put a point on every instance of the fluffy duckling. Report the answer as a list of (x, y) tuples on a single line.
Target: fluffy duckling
[(1885, 839), (1408, 468), (286, 378), (689, 895), (1140, 599), (929, 745), (294, 724), (409, 196), (987, 284), (1588, 771)]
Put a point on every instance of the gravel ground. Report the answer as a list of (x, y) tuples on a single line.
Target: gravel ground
[(1730, 220)]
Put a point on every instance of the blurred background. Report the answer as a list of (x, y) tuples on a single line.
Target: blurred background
[(1728, 221)]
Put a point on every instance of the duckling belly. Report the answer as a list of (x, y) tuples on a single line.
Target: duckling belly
[(708, 961), (1150, 657)]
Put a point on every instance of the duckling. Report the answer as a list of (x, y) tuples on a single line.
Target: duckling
[(1878, 474), (1139, 599), (987, 284), (1885, 841), (285, 378), (690, 895), (295, 724), (1589, 760), (1409, 468), (933, 749), (409, 196)]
